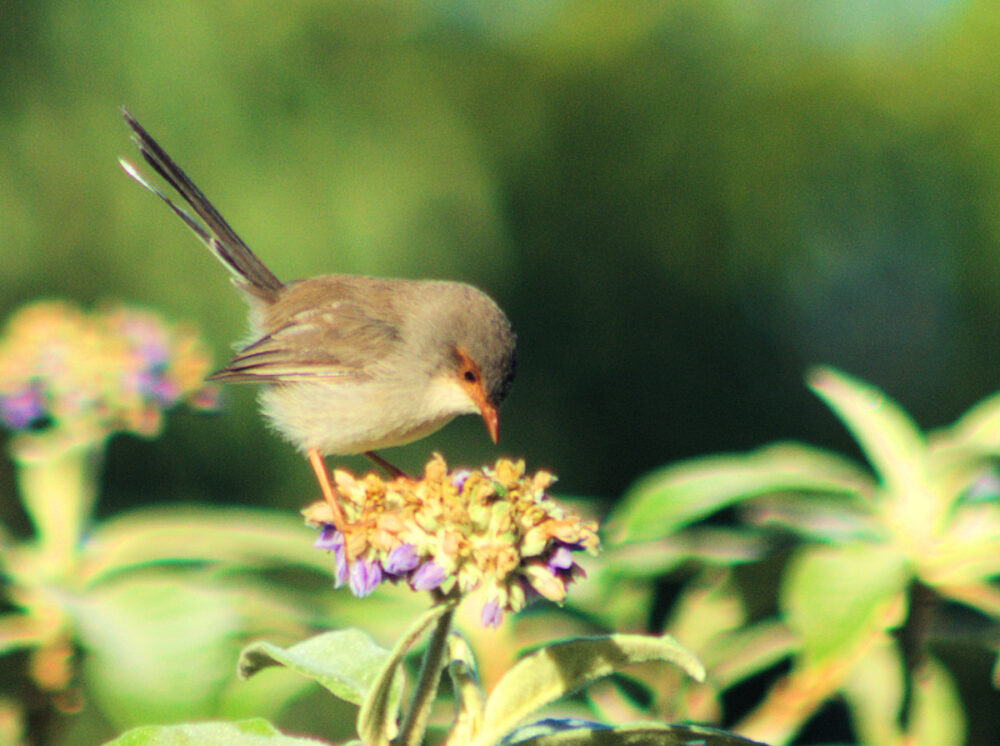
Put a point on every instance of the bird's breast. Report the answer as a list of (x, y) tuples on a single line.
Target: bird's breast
[(348, 416)]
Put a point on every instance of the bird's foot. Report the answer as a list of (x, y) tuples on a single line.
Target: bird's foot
[(388, 468), (336, 514)]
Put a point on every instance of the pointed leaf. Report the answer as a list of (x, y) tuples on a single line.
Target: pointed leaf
[(167, 535), (820, 518), (979, 427), (969, 552), (983, 596), (873, 692), (748, 651), (576, 733), (470, 702), (377, 717), (703, 545), (672, 497), (169, 645), (21, 631), (938, 711), (344, 661), (558, 669), (255, 732), (893, 443), (834, 596)]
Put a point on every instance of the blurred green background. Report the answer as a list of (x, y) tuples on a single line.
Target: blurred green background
[(680, 205)]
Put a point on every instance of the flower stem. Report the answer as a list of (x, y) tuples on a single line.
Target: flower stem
[(415, 724), (57, 481)]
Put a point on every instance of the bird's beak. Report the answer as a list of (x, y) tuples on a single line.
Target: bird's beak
[(491, 420), (488, 411), (473, 385)]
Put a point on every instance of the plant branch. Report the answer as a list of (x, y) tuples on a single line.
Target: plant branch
[(415, 724)]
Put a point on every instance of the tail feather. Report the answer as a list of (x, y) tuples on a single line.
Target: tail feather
[(216, 233)]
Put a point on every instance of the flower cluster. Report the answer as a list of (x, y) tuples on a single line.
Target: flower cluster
[(493, 529), (89, 374)]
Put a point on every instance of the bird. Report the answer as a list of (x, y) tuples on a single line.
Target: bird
[(349, 364)]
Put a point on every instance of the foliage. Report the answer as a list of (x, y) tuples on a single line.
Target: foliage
[(98, 606), (540, 678), (875, 563), (158, 600)]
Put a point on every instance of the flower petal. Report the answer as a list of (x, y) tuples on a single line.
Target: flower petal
[(402, 559), (365, 577), (492, 614), (427, 577)]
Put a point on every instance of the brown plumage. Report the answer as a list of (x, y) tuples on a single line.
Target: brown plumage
[(350, 364)]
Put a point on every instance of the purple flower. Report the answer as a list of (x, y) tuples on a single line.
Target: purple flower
[(561, 564), (153, 352), (561, 558), (523, 545), (402, 559), (147, 335), (161, 390), (459, 477), (329, 539), (492, 614), (23, 409), (427, 577), (530, 594), (365, 576)]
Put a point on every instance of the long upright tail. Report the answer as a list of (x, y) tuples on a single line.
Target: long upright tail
[(247, 270)]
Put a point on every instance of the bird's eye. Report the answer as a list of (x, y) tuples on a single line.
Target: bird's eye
[(469, 376)]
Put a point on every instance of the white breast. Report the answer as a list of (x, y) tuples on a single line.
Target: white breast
[(347, 416)]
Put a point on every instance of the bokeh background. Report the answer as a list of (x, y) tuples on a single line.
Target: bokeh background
[(681, 205)]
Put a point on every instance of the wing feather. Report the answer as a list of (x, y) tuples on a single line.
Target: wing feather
[(345, 335)]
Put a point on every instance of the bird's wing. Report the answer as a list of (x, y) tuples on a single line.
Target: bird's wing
[(338, 338)]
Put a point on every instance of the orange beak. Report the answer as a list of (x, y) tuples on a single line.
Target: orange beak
[(491, 420), (489, 412), (470, 379)]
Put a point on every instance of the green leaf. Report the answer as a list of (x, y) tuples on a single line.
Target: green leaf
[(748, 651), (168, 645), (979, 427), (703, 545), (873, 693), (552, 733), (893, 443), (346, 662), (266, 696), (672, 497), (470, 702), (558, 669), (255, 732), (22, 631), (938, 711), (377, 717), (168, 535), (834, 596), (818, 518)]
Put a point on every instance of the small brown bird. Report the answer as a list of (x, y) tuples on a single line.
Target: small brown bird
[(351, 364)]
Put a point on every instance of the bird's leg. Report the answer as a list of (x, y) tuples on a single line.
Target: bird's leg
[(319, 467), (388, 468)]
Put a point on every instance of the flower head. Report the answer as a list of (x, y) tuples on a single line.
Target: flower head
[(493, 529), (73, 373)]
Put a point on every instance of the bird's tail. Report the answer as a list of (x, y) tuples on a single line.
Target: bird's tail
[(247, 270)]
